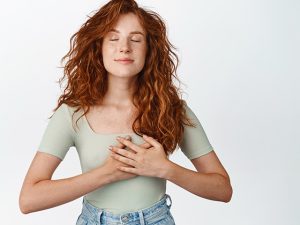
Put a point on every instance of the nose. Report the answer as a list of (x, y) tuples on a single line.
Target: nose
[(124, 46)]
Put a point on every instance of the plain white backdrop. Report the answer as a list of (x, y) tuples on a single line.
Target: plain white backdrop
[(240, 63)]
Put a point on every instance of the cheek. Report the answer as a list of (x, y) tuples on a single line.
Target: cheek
[(106, 57), (108, 46), (142, 52), (107, 52)]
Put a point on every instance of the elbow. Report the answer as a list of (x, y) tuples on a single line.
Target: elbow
[(24, 211), (228, 197), (228, 193), (24, 205)]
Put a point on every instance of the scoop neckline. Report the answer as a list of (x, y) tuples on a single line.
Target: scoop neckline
[(101, 134)]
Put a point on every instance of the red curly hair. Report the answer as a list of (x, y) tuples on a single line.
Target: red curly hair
[(161, 112)]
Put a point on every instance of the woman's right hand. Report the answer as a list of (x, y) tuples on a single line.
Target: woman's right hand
[(111, 164)]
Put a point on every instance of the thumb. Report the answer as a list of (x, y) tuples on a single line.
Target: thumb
[(146, 145)]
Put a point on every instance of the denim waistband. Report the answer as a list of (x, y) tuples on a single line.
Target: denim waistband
[(98, 214)]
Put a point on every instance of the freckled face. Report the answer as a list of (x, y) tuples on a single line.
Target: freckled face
[(124, 47)]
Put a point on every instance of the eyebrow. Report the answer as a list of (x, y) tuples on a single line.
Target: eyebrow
[(132, 32)]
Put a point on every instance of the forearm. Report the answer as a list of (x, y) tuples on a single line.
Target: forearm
[(207, 185), (50, 193)]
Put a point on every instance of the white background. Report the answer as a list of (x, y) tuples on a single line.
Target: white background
[(240, 63)]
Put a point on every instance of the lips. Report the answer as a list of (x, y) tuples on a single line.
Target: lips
[(124, 60)]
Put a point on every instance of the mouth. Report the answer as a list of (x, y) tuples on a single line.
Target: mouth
[(124, 61)]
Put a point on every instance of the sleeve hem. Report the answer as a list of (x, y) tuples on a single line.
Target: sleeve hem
[(51, 153), (205, 151)]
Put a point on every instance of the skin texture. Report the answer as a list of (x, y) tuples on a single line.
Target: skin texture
[(145, 162), (121, 77), (40, 192), (121, 42), (211, 180)]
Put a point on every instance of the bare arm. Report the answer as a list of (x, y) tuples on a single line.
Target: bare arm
[(39, 192), (210, 181)]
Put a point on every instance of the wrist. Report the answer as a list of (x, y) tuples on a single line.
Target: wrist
[(104, 175), (167, 170)]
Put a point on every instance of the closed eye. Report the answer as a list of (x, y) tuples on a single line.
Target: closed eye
[(118, 39)]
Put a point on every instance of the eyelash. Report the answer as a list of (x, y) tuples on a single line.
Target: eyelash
[(117, 39)]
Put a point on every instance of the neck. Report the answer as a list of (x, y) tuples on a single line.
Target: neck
[(120, 91)]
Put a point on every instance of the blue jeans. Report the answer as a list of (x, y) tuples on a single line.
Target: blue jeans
[(157, 214)]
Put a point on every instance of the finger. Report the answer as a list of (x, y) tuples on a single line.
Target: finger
[(123, 152), (121, 145), (152, 141), (129, 144), (128, 169), (128, 138), (145, 145), (124, 159)]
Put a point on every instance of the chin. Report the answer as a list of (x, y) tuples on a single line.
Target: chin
[(116, 74), (123, 73)]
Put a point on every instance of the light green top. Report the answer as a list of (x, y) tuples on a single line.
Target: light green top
[(92, 148)]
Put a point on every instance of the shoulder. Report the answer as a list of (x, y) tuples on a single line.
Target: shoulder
[(70, 113), (185, 105), (63, 113), (189, 112), (66, 109)]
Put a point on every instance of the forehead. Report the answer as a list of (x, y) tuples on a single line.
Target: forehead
[(128, 24)]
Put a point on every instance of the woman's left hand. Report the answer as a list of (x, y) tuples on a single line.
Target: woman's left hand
[(144, 162)]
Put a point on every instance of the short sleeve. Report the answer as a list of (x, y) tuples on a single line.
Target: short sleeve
[(195, 142), (58, 136)]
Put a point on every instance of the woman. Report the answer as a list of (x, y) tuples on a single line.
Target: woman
[(120, 71)]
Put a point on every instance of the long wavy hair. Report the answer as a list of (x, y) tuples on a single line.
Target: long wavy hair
[(161, 111)]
